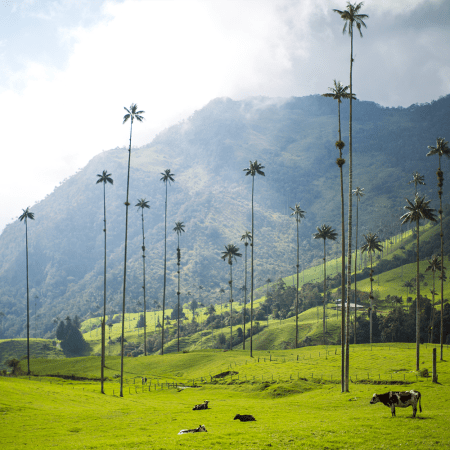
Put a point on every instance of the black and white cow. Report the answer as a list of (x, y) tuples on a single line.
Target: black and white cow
[(244, 417), (195, 430), (203, 405), (399, 399)]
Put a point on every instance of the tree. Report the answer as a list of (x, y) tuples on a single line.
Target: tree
[(372, 245), (358, 193), (299, 214), (418, 210), (179, 228), (434, 264), (132, 114), (230, 253), (351, 18), (408, 285), (104, 178), (166, 178), (143, 204), (27, 214), (325, 232), (246, 237), (417, 179), (253, 169), (441, 149)]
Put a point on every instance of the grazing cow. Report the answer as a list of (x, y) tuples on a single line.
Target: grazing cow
[(203, 405), (399, 399), (244, 417), (195, 430)]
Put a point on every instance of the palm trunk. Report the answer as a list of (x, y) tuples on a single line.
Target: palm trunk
[(28, 301), (324, 287), (231, 305), (371, 297), (165, 262), (178, 294), (143, 285), (296, 299), (104, 293), (440, 185), (245, 298), (125, 265), (356, 260), (251, 298), (350, 212), (432, 312), (417, 304)]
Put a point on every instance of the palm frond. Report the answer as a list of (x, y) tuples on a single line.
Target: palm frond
[(325, 232)]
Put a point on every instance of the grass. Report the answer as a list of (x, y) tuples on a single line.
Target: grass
[(296, 410)]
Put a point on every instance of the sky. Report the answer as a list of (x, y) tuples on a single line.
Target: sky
[(68, 68)]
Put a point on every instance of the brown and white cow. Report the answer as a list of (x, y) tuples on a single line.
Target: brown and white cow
[(244, 417), (399, 399), (203, 405), (194, 430)]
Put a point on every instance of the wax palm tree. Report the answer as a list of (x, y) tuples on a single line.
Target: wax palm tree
[(434, 264), (253, 169), (339, 92), (166, 178), (417, 179), (351, 18), (132, 115), (372, 245), (408, 285), (104, 178), (143, 204), (358, 193), (325, 232), (246, 237), (231, 252), (418, 210), (441, 149), (27, 214), (299, 214), (179, 228)]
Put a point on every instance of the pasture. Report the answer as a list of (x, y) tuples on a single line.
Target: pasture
[(293, 394)]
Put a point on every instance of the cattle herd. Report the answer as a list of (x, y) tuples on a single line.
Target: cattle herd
[(392, 399)]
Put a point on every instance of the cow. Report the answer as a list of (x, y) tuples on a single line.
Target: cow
[(399, 399), (244, 417), (203, 405), (195, 430)]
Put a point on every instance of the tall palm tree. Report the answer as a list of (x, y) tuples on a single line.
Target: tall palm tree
[(441, 149), (417, 179), (351, 18), (418, 210), (434, 264), (166, 178), (299, 214), (131, 115), (358, 193), (246, 237), (372, 245), (27, 214), (179, 228), (253, 169), (104, 178), (230, 253), (337, 93), (325, 232), (143, 204)]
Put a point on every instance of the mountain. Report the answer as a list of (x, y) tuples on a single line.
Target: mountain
[(293, 138)]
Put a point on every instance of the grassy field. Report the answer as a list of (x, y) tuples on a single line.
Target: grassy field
[(294, 395)]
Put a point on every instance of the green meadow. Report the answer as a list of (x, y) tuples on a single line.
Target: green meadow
[(295, 396)]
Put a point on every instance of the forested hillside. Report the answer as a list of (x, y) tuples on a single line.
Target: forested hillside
[(293, 138)]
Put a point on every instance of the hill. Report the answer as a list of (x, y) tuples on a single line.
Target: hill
[(293, 138)]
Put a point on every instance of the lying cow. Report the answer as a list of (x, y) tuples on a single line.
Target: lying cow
[(195, 430), (203, 405), (399, 399), (244, 417)]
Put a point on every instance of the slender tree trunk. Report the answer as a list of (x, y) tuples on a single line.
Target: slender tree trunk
[(144, 286), (231, 305), (245, 298), (165, 265), (178, 292), (440, 176), (371, 296), (104, 292), (28, 301), (432, 312), (356, 268), (296, 295), (125, 265), (417, 304), (251, 298), (324, 286)]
